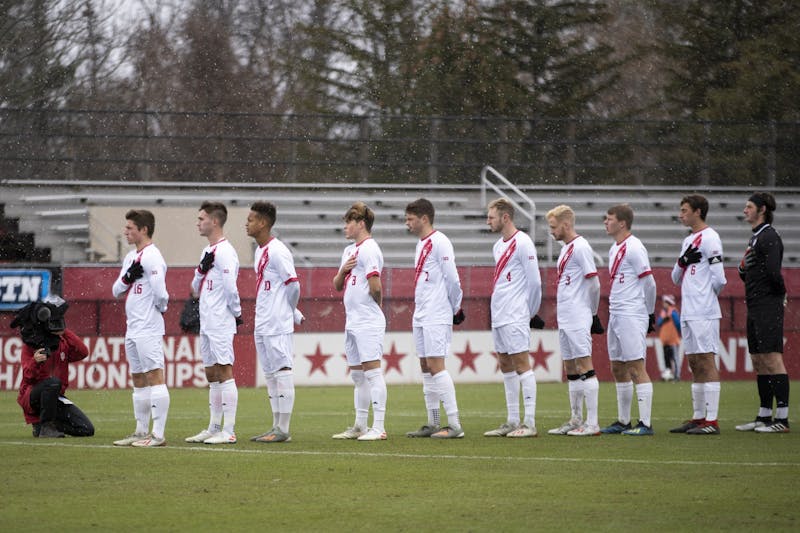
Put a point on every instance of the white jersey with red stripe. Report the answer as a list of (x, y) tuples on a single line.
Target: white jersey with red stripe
[(628, 263), (701, 282), (437, 287), (573, 296), (219, 296), (362, 311), (274, 266), (147, 297), (517, 284)]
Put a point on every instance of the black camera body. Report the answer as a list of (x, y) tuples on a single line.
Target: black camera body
[(40, 322)]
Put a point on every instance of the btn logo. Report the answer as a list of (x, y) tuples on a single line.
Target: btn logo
[(21, 287)]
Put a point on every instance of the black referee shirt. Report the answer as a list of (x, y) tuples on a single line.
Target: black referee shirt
[(764, 280)]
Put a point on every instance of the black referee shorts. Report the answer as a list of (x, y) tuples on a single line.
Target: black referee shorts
[(765, 326)]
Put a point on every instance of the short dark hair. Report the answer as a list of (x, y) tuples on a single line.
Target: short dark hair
[(216, 210), (768, 201), (142, 218), (421, 207), (266, 210), (623, 212), (360, 211), (696, 201)]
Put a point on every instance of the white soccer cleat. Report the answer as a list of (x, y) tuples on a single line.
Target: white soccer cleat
[(522, 432), (150, 442), (200, 437), (566, 427), (584, 431), (373, 434), (349, 434), (130, 439), (221, 437), (502, 431), (751, 426)]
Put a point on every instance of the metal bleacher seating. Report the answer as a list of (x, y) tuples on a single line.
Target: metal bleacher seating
[(60, 215)]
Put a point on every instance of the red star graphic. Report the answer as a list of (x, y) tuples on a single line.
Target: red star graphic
[(497, 360), (540, 357), (318, 360), (467, 358), (393, 360)]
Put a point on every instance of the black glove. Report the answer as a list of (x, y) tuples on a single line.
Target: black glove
[(651, 323), (206, 263), (239, 321), (691, 255), (536, 322), (597, 327), (459, 317), (134, 272)]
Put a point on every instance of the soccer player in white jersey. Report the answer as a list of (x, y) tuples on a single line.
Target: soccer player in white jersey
[(516, 296), (277, 294), (577, 299), (220, 313), (142, 279), (700, 274), (359, 276), (437, 306), (632, 298)]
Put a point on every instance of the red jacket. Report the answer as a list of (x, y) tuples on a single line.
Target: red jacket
[(70, 348)]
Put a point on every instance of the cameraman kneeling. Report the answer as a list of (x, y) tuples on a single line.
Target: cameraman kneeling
[(48, 350)]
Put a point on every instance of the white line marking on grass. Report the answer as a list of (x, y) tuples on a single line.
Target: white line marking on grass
[(390, 455)]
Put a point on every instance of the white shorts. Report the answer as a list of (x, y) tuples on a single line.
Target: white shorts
[(216, 349), (275, 352), (144, 353), (432, 341), (700, 336), (363, 345), (574, 343), (626, 338), (512, 338)]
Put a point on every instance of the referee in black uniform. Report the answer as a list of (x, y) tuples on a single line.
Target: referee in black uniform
[(765, 293)]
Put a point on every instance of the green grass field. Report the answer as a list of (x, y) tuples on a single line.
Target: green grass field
[(734, 481)]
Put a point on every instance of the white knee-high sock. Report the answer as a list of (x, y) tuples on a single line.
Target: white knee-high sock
[(159, 399), (624, 401), (528, 381), (285, 379), (431, 399), (215, 406), (644, 397), (511, 386), (142, 409), (712, 391), (230, 402), (575, 387), (591, 391), (361, 398), (272, 394), (377, 388), (698, 401), (447, 394)]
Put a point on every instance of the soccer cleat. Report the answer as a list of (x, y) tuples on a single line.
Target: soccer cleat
[(36, 429), (221, 437), (566, 427), (424, 431), (584, 430), (349, 434), (48, 430), (523, 431), (754, 425), (640, 430), (255, 438), (502, 431), (373, 434), (149, 442), (276, 435), (448, 432), (704, 428), (688, 425), (775, 427), (616, 428), (200, 437), (130, 439)]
